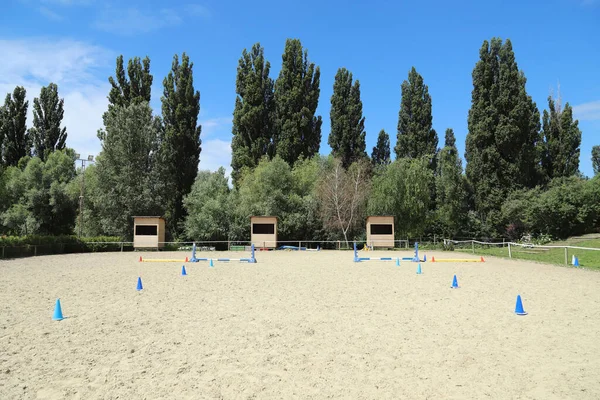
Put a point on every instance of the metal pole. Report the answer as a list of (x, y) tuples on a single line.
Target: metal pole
[(473, 246), (509, 252), (566, 256)]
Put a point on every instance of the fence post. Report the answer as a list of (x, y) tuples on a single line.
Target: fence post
[(3, 252), (473, 246), (566, 256), (509, 252), (34, 250), (121, 247)]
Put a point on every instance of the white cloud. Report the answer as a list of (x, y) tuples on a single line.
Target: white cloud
[(220, 126), (69, 2), (133, 21), (73, 66), (197, 10), (45, 11), (81, 72), (587, 111), (215, 153)]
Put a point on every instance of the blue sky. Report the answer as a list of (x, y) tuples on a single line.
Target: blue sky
[(74, 43)]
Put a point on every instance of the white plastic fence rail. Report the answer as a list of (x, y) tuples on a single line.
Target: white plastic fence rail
[(527, 245)]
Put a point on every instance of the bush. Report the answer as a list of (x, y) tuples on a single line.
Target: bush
[(31, 245)]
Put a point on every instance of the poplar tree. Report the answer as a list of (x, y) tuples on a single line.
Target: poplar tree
[(504, 130), (253, 114), (1, 140), (596, 159), (46, 134), (450, 188), (347, 136), (180, 144), (125, 168), (561, 141), (14, 129), (297, 129), (136, 89), (381, 151), (416, 137)]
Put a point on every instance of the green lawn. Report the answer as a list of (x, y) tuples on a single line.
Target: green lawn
[(587, 258)]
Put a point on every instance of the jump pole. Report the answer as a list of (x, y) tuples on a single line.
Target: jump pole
[(361, 259), (251, 260)]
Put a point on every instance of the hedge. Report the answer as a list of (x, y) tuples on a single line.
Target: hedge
[(25, 246)]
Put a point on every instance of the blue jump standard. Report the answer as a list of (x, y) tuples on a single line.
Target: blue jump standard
[(252, 259)]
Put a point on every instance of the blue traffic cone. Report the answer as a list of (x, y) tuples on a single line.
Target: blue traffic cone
[(318, 248), (519, 308), (424, 257), (183, 272), (454, 283), (419, 269), (397, 261), (211, 263), (57, 311), (139, 285), (576, 264)]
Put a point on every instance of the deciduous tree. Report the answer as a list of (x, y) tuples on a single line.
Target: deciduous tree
[(343, 195), (403, 189), (208, 207)]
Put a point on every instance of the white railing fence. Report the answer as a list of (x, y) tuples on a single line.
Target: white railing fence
[(511, 245)]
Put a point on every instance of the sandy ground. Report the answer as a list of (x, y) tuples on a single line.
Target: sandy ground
[(306, 325)]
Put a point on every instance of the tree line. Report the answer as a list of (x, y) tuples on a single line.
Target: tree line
[(521, 174)]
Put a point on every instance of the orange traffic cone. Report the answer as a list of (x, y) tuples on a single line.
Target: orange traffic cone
[(482, 260), (432, 259), (186, 259), (140, 258)]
